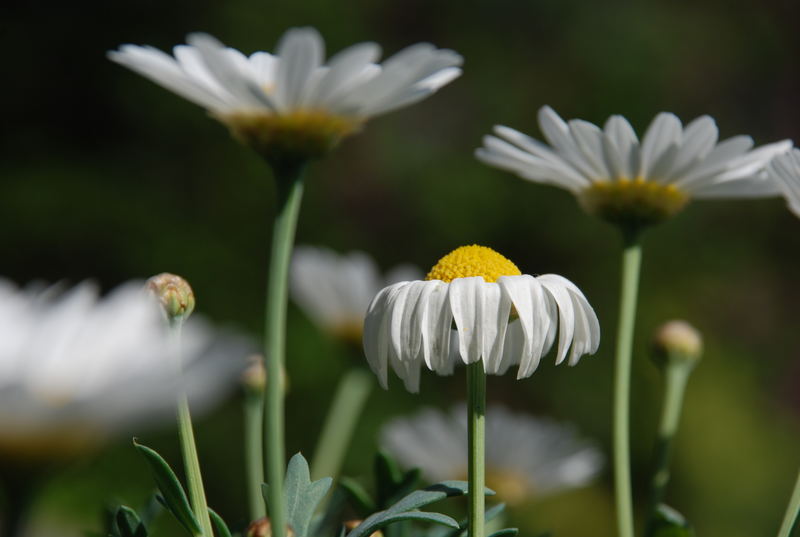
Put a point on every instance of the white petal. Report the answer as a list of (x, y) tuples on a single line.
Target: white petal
[(589, 139), (527, 296), (345, 68), (566, 313), (466, 303), (377, 332), (665, 131), (496, 309), (300, 52), (623, 138)]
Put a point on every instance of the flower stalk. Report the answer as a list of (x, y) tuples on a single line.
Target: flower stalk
[(631, 263), (345, 409), (289, 184), (197, 495), (476, 437), (254, 382)]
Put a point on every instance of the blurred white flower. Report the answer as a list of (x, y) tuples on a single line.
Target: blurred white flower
[(526, 457), (267, 100), (335, 289), (76, 369), (623, 180), (784, 170), (501, 318)]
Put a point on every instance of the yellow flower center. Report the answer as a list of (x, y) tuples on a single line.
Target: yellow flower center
[(297, 135), (469, 261), (635, 202)]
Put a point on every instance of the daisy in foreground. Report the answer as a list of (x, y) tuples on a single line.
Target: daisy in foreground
[(630, 182), (502, 318), (335, 289), (292, 104), (526, 457)]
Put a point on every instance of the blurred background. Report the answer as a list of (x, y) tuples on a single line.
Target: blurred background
[(107, 176)]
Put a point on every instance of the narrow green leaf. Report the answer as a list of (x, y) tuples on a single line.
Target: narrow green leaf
[(384, 518), (506, 532), (302, 495), (408, 482), (220, 528), (128, 524), (358, 496), (387, 477), (173, 495), (431, 494), (670, 523), (490, 515)]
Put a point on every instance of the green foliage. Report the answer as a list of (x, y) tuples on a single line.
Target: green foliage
[(302, 495), (489, 515), (173, 497), (126, 523), (670, 523), (220, 528), (358, 496), (391, 483), (507, 532)]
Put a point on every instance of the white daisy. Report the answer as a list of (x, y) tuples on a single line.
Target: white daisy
[(335, 289), (784, 170), (501, 316), (292, 101), (526, 457), (76, 369), (630, 182)]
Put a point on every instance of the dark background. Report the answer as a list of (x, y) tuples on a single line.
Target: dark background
[(105, 175)]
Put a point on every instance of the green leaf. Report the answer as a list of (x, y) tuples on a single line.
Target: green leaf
[(506, 532), (358, 496), (490, 515), (388, 477), (302, 495), (173, 496), (670, 523), (127, 523), (405, 509), (220, 528), (383, 518)]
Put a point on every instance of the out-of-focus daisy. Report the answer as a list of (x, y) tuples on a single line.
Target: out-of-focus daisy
[(633, 183), (784, 170), (335, 289), (501, 316), (76, 369), (526, 457), (293, 102)]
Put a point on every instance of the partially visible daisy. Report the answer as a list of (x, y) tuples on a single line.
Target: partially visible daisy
[(492, 312), (784, 170), (526, 457), (631, 182), (76, 369), (293, 102), (335, 289)]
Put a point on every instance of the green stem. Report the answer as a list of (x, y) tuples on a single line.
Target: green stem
[(476, 419), (345, 409), (676, 376), (197, 495), (791, 511), (290, 193), (631, 261), (253, 451)]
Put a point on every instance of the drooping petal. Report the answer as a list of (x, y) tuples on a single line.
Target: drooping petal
[(377, 332), (566, 314), (466, 302), (496, 309)]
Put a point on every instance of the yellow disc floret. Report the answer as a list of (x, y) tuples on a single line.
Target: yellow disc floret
[(636, 202), (469, 261)]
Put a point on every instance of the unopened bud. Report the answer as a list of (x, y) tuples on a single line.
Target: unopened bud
[(263, 528), (174, 294), (254, 378), (350, 525), (677, 341)]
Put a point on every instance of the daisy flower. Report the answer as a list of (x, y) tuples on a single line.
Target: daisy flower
[(76, 369), (334, 289), (476, 305), (526, 457), (633, 183), (292, 103), (784, 170)]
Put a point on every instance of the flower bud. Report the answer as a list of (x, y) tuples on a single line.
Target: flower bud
[(263, 528), (174, 294), (254, 377), (677, 342)]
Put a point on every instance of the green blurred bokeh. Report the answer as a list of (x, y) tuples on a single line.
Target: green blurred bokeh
[(106, 175)]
